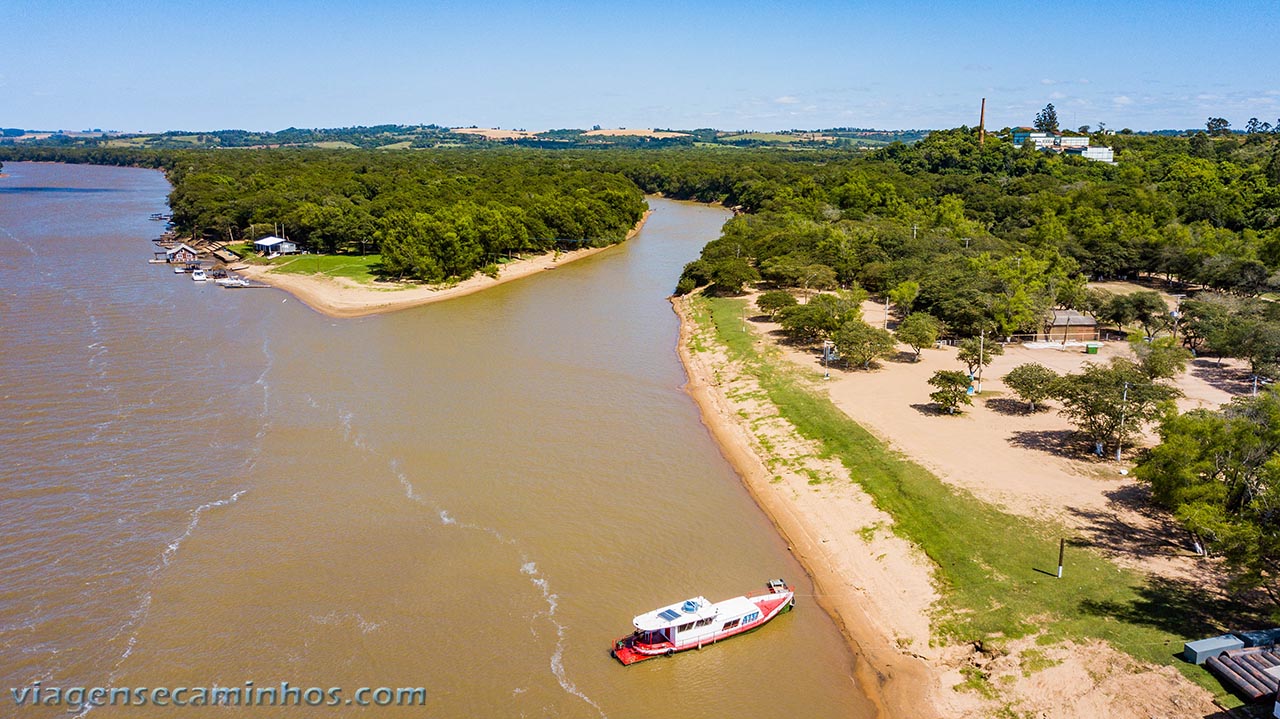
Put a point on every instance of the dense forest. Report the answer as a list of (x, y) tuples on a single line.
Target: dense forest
[(432, 216), (996, 234)]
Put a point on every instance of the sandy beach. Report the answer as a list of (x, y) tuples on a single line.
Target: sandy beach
[(343, 297), (879, 587), (880, 606)]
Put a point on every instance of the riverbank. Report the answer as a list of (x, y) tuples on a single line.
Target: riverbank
[(344, 298), (994, 636), (876, 587)]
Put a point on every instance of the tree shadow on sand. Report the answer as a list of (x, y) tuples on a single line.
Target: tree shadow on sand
[(929, 409), (1009, 406), (1060, 442), (1135, 527), (1226, 378)]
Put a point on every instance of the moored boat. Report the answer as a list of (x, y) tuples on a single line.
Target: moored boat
[(695, 623), (232, 281), (199, 275)]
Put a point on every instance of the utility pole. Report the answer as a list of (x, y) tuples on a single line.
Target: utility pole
[(1062, 549), (1124, 405), (982, 343), (886, 326)]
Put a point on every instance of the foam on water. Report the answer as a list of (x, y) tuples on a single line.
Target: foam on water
[(366, 626), (528, 567)]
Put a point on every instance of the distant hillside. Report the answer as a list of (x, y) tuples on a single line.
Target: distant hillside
[(399, 137)]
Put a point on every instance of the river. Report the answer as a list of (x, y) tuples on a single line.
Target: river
[(205, 487)]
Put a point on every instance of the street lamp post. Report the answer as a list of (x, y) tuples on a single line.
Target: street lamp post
[(1124, 405)]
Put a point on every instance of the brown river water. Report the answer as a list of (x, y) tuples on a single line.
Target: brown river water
[(202, 487)]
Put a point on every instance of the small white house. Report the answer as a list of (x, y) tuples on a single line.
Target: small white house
[(273, 245)]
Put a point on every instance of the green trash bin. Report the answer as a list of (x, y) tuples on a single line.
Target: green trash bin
[(1091, 348)]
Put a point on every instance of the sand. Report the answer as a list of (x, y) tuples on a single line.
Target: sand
[(493, 133), (344, 297), (879, 587)]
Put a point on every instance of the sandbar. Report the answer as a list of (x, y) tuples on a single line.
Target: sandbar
[(343, 297)]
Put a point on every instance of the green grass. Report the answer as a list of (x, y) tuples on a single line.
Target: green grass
[(995, 569), (356, 267)]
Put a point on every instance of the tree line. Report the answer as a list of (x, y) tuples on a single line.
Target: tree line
[(432, 215)]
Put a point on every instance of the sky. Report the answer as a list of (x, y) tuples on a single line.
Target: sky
[(147, 66)]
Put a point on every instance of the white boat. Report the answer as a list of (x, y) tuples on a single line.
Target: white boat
[(232, 282), (199, 276), (695, 623)]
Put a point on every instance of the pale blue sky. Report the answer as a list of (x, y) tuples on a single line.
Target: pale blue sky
[(270, 64)]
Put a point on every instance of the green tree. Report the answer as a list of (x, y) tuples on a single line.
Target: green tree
[(1217, 126), (904, 296), (976, 353), (1032, 382), (1047, 119), (728, 275), (1146, 307), (861, 343), (952, 389), (919, 330), (1219, 473), (774, 301), (1112, 402), (1160, 358), (822, 315)]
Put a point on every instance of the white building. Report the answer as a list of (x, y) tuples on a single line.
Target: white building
[(273, 245), (1099, 154), (1059, 143)]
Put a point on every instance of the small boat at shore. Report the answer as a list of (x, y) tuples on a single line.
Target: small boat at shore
[(232, 282), (695, 623), (199, 276)]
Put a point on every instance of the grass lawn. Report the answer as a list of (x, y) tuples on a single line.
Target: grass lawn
[(995, 569), (357, 267)]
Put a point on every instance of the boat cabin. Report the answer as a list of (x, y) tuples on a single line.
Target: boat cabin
[(694, 620)]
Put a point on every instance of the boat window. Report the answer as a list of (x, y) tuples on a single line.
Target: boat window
[(704, 622), (751, 617), (684, 627), (731, 624)]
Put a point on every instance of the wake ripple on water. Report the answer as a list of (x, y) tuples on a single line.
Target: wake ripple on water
[(139, 614), (528, 567)]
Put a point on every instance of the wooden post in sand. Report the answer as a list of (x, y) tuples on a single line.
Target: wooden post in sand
[(1062, 548)]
